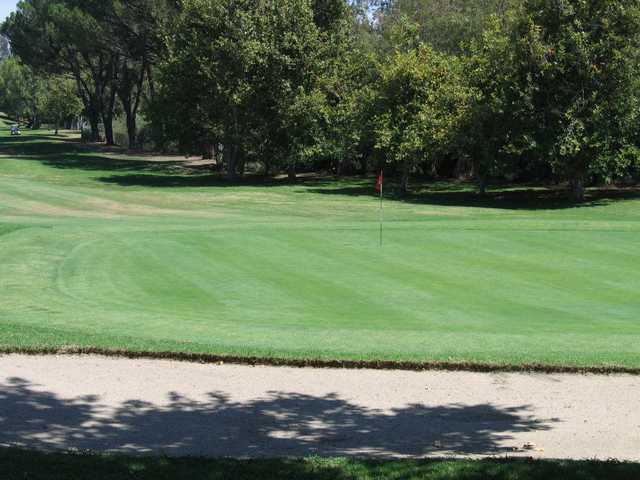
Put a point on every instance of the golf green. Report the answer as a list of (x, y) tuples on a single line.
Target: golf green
[(106, 250)]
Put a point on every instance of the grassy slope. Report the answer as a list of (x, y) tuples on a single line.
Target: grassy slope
[(109, 251), (18, 465)]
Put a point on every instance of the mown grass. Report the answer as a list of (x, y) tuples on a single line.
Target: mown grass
[(105, 250), (21, 465), (6, 229)]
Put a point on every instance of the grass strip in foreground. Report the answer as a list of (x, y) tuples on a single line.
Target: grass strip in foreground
[(18, 464)]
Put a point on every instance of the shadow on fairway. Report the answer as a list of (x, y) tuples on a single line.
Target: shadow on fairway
[(284, 424), (507, 197), (38, 146), (68, 154), (193, 177), (71, 154)]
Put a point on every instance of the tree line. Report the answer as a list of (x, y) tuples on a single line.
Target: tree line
[(32, 98), (523, 90)]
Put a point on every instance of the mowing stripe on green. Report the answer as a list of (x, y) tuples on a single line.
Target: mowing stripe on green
[(159, 255)]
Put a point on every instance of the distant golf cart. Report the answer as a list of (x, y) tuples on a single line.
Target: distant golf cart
[(15, 130)]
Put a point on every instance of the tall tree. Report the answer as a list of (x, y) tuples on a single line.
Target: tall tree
[(136, 28), (584, 61), (205, 97), (61, 101), (498, 131), (296, 41), (67, 36), (423, 101), (254, 78), (21, 91)]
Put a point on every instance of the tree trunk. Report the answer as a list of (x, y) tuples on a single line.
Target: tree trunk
[(577, 190), (151, 83), (129, 90), (241, 165), (482, 184), (94, 122), (231, 153), (215, 156), (480, 170), (107, 115), (209, 152), (364, 162), (218, 155), (90, 98), (107, 121), (291, 172), (56, 127), (132, 131), (404, 179)]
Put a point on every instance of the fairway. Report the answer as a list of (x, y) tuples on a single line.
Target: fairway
[(122, 252)]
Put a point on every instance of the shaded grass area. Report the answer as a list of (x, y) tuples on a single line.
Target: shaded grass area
[(8, 228), (63, 153), (504, 196), (21, 465)]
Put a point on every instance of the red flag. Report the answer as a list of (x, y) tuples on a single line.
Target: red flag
[(379, 183)]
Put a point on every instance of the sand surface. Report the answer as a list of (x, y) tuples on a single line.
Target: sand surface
[(144, 406)]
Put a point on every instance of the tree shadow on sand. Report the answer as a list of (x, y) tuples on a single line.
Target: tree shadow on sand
[(282, 424)]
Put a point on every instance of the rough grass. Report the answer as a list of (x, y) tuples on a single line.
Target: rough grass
[(20, 465), (120, 252)]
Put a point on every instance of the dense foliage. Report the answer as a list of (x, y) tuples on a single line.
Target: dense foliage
[(32, 99), (484, 89)]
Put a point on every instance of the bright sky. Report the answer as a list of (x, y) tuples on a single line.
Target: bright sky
[(6, 7)]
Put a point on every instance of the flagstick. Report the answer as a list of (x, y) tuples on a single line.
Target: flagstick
[(381, 211)]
